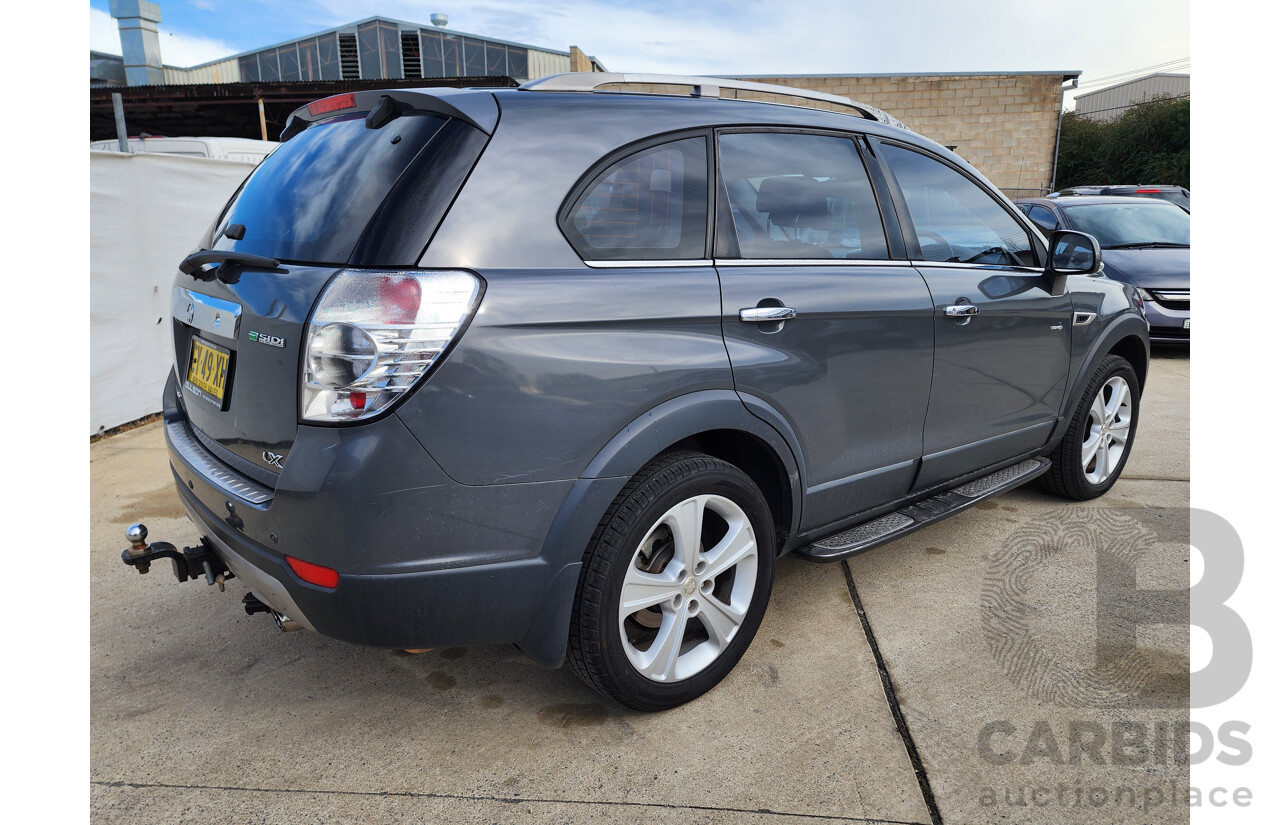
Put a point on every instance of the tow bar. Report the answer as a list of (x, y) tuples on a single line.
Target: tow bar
[(189, 563)]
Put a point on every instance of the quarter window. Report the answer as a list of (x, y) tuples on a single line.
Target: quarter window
[(1042, 217), (649, 206), (800, 196), (955, 220)]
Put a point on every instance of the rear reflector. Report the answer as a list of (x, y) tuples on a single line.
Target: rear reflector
[(332, 104), (313, 573)]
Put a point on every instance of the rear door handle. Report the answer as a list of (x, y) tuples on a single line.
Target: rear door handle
[(961, 310), (765, 315)]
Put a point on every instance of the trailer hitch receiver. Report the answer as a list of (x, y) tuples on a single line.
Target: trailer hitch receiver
[(189, 563)]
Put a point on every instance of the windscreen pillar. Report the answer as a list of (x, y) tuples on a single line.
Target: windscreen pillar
[(139, 41)]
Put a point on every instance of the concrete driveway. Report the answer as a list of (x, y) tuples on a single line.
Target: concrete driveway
[(971, 672)]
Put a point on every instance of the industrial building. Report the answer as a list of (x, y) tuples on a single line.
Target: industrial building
[(1004, 123), (1113, 101)]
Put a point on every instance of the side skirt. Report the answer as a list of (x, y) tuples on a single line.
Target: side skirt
[(908, 519)]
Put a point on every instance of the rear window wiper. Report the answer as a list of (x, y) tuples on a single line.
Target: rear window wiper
[(195, 262), (1146, 244)]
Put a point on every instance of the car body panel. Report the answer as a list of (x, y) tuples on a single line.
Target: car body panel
[(461, 514)]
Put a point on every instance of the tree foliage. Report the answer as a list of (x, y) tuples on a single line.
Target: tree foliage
[(1148, 143)]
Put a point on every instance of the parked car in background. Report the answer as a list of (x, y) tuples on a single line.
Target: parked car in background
[(220, 148), (1144, 243), (1176, 195), (571, 369)]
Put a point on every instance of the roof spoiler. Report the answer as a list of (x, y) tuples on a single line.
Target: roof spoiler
[(472, 106)]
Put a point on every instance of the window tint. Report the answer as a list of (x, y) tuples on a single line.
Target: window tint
[(956, 221), (1042, 216), (800, 196), (313, 197), (649, 206)]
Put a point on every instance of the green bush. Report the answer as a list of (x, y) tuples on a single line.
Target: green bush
[(1148, 143)]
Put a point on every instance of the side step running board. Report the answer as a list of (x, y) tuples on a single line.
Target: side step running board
[(895, 525)]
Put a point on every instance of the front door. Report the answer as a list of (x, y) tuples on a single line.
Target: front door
[(819, 320), (1002, 340)]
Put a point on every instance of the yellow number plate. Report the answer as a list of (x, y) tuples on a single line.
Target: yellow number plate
[(207, 370)]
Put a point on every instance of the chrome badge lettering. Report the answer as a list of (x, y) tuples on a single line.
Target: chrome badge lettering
[(273, 459)]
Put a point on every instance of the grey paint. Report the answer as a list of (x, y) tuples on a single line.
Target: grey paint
[(850, 373), (462, 516), (996, 374)]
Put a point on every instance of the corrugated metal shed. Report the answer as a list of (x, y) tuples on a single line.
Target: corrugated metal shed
[(1112, 101)]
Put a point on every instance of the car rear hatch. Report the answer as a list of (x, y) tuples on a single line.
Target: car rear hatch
[(361, 181)]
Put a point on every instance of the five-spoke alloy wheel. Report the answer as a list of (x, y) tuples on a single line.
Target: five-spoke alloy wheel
[(675, 583), (1091, 455)]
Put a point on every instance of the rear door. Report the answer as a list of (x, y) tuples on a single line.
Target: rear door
[(1002, 340), (824, 319)]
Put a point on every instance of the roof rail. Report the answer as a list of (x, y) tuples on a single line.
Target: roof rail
[(702, 87)]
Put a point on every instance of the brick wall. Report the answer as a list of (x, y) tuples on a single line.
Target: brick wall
[(1004, 125)]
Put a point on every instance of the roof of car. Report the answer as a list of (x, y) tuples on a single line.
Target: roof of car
[(1083, 200)]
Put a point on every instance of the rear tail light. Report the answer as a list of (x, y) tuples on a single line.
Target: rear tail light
[(374, 334)]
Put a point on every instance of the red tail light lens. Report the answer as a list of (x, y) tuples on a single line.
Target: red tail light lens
[(401, 299), (313, 573)]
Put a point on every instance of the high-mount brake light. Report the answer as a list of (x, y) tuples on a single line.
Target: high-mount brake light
[(1147, 191), (336, 103), (375, 333)]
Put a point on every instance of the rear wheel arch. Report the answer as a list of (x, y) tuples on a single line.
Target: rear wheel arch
[(760, 462), (717, 423)]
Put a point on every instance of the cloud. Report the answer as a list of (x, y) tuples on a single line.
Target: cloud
[(176, 48), (103, 34)]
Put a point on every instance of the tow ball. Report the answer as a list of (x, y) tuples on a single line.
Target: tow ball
[(189, 563)]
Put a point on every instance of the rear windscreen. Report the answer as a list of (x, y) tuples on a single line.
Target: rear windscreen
[(312, 198)]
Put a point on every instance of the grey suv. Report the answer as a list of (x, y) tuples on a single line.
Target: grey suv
[(570, 369)]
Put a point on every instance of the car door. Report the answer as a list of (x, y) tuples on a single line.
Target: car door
[(1002, 340), (824, 318)]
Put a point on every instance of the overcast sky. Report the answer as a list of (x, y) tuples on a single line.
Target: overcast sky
[(1109, 40)]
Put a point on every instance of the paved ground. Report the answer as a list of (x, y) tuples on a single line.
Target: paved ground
[(981, 673)]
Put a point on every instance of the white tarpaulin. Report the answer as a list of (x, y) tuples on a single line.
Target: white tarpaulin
[(146, 213)]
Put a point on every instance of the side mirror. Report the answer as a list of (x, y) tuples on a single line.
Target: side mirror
[(1074, 253)]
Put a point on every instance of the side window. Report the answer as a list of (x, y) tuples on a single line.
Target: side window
[(649, 206), (1042, 217), (800, 196), (956, 221)]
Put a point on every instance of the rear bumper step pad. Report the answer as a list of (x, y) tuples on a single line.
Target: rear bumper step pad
[(872, 534)]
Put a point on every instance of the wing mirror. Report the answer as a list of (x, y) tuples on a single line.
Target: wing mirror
[(1071, 253), (1074, 253)]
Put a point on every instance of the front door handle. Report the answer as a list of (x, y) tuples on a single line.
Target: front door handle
[(961, 310), (766, 315)]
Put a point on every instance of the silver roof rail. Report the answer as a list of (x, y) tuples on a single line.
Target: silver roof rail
[(702, 87)]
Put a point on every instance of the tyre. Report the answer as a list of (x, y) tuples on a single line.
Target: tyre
[(1094, 451), (674, 583)]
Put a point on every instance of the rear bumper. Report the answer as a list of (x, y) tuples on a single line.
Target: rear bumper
[(422, 561)]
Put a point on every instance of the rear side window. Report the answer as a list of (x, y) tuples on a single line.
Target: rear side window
[(1042, 217), (312, 198), (651, 205), (955, 220), (800, 196)]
